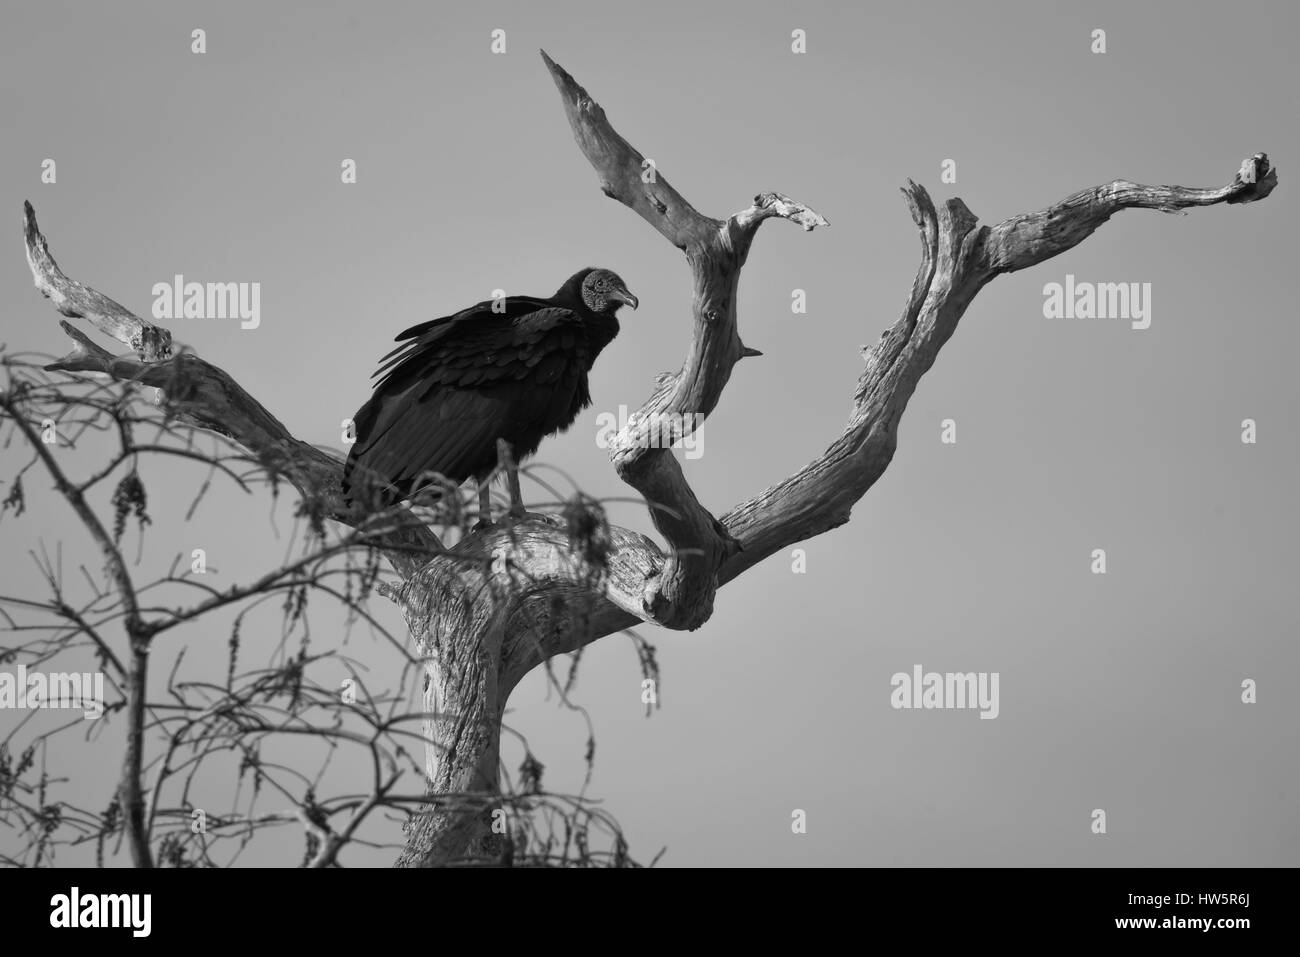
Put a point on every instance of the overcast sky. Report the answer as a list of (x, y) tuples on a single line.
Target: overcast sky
[(1119, 691)]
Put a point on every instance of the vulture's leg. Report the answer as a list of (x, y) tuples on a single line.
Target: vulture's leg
[(507, 460), (484, 501)]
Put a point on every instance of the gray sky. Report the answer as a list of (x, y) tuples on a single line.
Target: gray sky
[(1119, 691)]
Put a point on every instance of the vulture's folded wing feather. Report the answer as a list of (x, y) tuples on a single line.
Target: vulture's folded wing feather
[(466, 381)]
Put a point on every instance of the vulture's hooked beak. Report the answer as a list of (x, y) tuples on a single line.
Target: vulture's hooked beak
[(622, 295)]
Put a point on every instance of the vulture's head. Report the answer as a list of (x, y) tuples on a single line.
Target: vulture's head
[(602, 292)]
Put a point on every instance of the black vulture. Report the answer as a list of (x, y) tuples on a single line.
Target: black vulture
[(513, 368)]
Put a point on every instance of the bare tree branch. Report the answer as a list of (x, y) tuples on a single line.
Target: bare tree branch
[(681, 594), (957, 258), (74, 300), (206, 397), (625, 173), (1025, 240), (137, 630)]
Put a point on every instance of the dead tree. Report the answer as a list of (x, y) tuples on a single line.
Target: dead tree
[(585, 583)]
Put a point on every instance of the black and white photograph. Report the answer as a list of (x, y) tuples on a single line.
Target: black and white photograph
[(683, 435)]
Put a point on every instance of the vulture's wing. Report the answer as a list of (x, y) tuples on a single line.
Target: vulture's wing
[(423, 335), (463, 382)]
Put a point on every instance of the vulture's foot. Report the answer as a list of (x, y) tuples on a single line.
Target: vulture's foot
[(484, 507), (507, 464)]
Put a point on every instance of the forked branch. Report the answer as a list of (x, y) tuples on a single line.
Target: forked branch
[(681, 594), (205, 396)]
